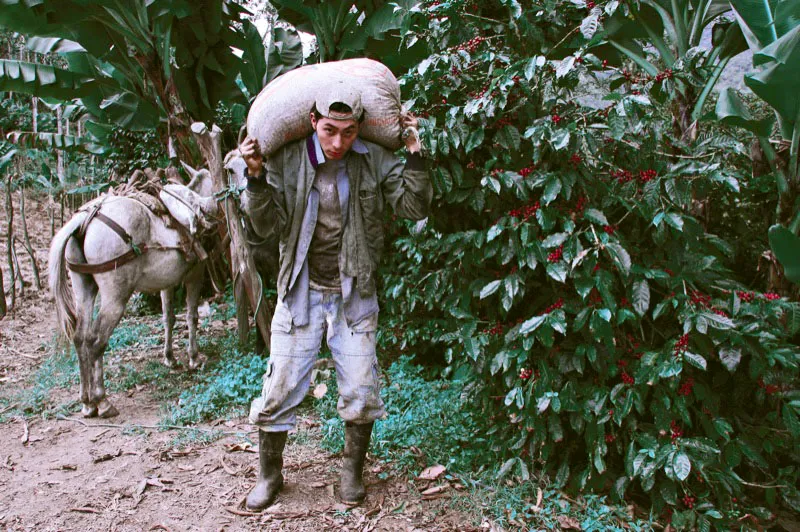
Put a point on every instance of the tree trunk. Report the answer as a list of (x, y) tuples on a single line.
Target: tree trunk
[(35, 113), (10, 242), (3, 309), (60, 153), (20, 279), (26, 236), (242, 264)]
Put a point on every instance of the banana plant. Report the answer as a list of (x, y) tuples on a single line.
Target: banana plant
[(371, 28), (670, 30), (772, 31), (160, 64)]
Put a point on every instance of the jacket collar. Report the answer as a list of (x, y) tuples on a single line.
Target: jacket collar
[(317, 156)]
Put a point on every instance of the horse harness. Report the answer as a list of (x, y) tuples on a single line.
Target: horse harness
[(112, 264)]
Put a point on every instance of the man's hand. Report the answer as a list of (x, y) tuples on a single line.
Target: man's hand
[(252, 156), (409, 124)]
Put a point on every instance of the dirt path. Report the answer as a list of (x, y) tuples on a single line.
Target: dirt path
[(72, 473), (68, 473)]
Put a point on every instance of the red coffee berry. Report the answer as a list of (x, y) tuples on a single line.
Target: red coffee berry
[(556, 255)]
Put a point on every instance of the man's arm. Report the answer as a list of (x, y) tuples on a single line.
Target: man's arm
[(263, 200), (408, 187)]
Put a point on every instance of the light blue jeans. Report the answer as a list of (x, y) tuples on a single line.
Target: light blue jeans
[(293, 351)]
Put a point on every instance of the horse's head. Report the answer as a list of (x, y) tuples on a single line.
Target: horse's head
[(201, 182)]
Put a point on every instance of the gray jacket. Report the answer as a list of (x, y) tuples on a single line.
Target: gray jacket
[(278, 205)]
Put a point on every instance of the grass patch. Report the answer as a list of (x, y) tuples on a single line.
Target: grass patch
[(434, 416), (226, 387), (127, 376), (195, 438), (59, 370), (128, 335)]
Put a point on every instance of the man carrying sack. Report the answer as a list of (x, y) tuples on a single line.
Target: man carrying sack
[(324, 197)]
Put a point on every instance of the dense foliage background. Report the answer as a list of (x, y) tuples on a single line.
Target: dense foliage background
[(596, 274)]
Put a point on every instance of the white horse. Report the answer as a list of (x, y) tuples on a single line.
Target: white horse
[(140, 254)]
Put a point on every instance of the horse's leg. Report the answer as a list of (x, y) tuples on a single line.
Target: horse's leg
[(111, 310), (85, 291), (168, 311), (194, 284)]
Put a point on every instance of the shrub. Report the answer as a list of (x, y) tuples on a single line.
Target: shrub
[(589, 290)]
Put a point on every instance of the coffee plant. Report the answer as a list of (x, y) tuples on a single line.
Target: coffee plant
[(579, 265)]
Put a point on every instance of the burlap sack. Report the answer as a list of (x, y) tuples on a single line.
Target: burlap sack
[(279, 113)]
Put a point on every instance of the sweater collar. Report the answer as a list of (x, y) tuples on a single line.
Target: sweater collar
[(317, 156)]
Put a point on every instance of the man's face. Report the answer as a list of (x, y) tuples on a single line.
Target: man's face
[(335, 136)]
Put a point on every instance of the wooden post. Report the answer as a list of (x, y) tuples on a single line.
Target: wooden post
[(242, 264)]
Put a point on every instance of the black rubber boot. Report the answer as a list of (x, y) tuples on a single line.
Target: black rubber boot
[(270, 478), (356, 443)]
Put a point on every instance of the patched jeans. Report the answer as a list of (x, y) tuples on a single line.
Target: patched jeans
[(293, 351)]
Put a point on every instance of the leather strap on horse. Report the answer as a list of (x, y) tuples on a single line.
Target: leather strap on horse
[(113, 264), (107, 266)]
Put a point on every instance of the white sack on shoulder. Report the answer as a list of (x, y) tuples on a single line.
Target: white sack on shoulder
[(279, 114)]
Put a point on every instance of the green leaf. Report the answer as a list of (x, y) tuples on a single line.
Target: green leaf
[(591, 23), (675, 220), (621, 257), (595, 216), (494, 232), (560, 139), (531, 324), (695, 360), (641, 297), (555, 240), (285, 53), (506, 468), (45, 81), (733, 112), (492, 183), (558, 271), (46, 45), (682, 466), (717, 321), (489, 289), (542, 403), (509, 138), (475, 139), (730, 358), (791, 420), (605, 314), (551, 189), (786, 247)]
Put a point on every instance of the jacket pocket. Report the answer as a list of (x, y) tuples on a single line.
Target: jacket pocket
[(372, 216), (282, 318)]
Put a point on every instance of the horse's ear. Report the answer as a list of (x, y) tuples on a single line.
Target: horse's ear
[(191, 171)]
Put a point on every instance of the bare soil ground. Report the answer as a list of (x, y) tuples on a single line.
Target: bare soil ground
[(70, 473)]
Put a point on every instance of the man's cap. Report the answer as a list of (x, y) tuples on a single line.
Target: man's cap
[(339, 92)]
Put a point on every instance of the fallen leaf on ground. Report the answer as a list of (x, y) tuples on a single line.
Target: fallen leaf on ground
[(240, 447), (320, 390), (317, 484), (226, 467), (107, 456), (435, 489), (568, 523), (432, 473)]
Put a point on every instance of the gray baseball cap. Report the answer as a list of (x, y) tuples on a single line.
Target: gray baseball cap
[(339, 92)]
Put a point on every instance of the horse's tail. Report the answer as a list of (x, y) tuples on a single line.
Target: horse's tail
[(57, 273)]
